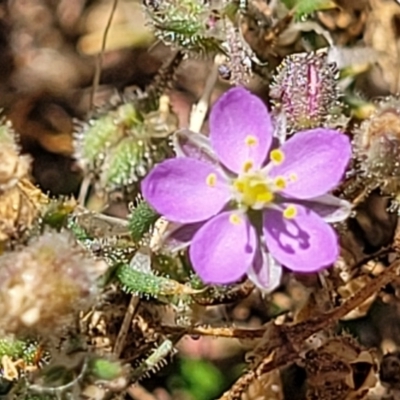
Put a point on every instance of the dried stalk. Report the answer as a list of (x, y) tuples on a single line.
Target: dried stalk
[(285, 342)]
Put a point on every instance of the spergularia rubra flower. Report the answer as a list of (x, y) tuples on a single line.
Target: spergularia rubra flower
[(253, 205)]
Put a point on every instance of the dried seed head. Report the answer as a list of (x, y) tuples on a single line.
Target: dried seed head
[(13, 166), (7, 135), (377, 145), (305, 90), (20, 207), (20, 200), (45, 284)]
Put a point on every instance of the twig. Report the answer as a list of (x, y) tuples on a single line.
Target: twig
[(165, 75), (83, 190), (126, 324), (361, 197), (58, 389), (285, 342), (228, 332), (367, 259)]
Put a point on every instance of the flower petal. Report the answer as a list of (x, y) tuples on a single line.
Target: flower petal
[(315, 161), (266, 272), (177, 189), (178, 236), (224, 248), (305, 243), (240, 129), (141, 261), (187, 143), (330, 208)]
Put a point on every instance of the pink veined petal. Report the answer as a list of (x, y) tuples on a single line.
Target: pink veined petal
[(222, 251), (192, 144), (330, 208), (305, 243), (235, 118), (265, 272), (178, 190), (178, 236), (315, 161)]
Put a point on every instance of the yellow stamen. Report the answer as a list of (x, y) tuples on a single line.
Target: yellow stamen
[(251, 140), (247, 166), (211, 180), (239, 186), (235, 219), (277, 156), (265, 197), (280, 182), (254, 190), (290, 212)]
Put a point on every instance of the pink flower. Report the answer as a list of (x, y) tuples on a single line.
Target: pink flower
[(252, 204)]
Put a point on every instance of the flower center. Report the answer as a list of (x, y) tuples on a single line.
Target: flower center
[(254, 189)]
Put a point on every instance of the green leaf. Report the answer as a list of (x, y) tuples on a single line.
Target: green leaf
[(306, 7), (105, 369), (140, 282), (57, 213), (141, 219), (200, 378), (17, 349)]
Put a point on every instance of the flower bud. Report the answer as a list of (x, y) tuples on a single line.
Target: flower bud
[(305, 90), (121, 144), (191, 26)]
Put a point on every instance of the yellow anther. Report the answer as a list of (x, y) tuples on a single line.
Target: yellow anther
[(290, 212), (251, 140), (280, 182), (211, 180), (277, 156), (235, 219), (247, 166)]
